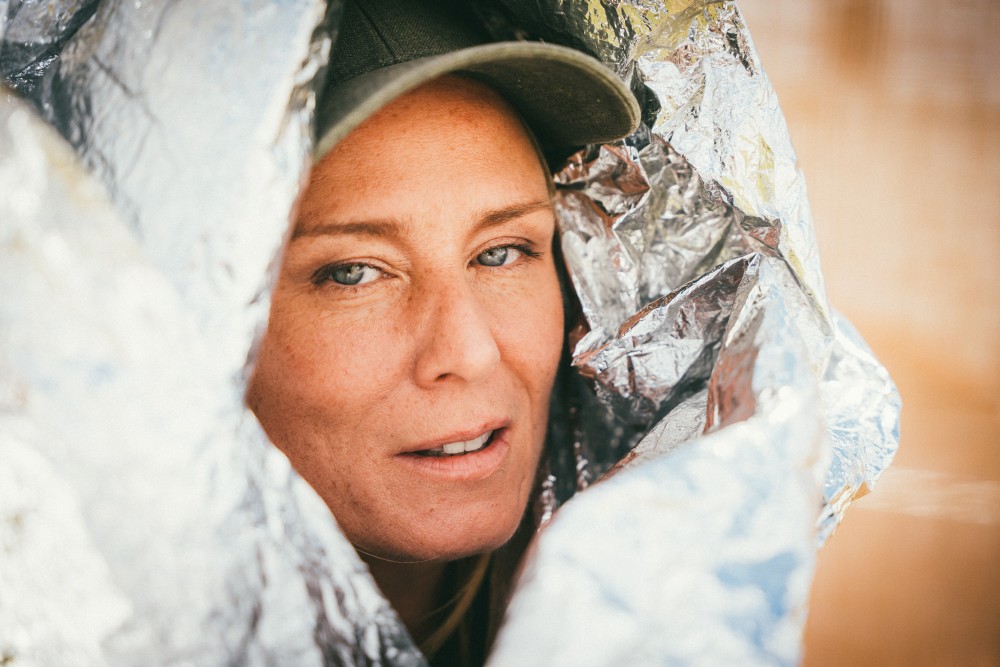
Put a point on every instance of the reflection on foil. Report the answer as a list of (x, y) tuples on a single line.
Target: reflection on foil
[(690, 247), (124, 337), (721, 421), (33, 33)]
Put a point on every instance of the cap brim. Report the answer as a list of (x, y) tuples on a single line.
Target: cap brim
[(565, 96)]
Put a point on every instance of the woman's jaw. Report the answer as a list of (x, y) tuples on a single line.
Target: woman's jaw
[(418, 312)]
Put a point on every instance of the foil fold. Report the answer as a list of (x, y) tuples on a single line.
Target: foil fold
[(691, 249), (126, 331), (33, 33)]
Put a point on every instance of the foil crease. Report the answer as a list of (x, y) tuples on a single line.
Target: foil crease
[(723, 419), (691, 249), (125, 331), (32, 33)]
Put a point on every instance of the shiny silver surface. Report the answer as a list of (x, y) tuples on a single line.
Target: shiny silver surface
[(125, 334), (733, 417), (691, 249)]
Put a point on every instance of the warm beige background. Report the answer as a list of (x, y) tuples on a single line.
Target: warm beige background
[(894, 109)]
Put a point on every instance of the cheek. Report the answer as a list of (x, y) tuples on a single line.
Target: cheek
[(318, 390), (319, 370), (530, 334)]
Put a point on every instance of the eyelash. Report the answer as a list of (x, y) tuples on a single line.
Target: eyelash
[(325, 273), (523, 248)]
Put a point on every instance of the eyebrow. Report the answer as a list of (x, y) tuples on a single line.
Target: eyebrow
[(492, 218), (379, 228), (390, 227)]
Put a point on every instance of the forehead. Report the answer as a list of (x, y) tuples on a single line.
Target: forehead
[(460, 113), (450, 145)]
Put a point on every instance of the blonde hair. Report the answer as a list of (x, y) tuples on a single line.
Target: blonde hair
[(460, 603)]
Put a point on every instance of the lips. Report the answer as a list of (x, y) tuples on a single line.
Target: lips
[(459, 441), (440, 461), (460, 447)]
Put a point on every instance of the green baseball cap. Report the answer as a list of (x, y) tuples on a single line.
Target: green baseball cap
[(386, 48)]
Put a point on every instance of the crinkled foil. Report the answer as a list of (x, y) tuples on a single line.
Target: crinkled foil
[(140, 500), (32, 33), (691, 249), (726, 413)]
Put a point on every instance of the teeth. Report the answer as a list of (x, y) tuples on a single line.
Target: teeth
[(477, 443), (460, 447)]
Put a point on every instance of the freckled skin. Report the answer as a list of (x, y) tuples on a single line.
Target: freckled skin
[(436, 344)]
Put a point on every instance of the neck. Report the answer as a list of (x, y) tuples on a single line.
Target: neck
[(416, 591)]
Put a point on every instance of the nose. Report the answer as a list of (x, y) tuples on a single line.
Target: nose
[(457, 341)]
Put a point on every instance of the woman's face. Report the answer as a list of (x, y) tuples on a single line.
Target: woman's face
[(418, 313)]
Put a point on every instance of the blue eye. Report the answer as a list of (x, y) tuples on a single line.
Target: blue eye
[(350, 275), (495, 256), (502, 255)]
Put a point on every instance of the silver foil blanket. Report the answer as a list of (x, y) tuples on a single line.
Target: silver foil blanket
[(715, 179), (710, 333), (144, 517)]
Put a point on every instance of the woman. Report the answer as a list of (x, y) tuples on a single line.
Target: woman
[(123, 340), (416, 326)]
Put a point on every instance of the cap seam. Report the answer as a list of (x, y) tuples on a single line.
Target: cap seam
[(388, 47)]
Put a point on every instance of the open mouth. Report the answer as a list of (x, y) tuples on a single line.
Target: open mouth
[(460, 448)]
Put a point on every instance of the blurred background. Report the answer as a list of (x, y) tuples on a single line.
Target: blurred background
[(894, 109)]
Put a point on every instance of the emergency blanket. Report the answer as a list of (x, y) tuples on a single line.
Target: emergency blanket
[(150, 152)]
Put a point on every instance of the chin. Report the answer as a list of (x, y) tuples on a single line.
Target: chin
[(465, 546), (448, 538)]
